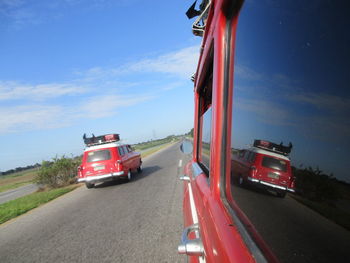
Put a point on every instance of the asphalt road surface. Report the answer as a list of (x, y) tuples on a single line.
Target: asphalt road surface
[(139, 221), (18, 192), (294, 232)]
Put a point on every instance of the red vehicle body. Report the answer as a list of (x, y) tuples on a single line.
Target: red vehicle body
[(215, 228), (262, 167), (108, 160)]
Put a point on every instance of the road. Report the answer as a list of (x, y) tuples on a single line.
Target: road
[(18, 192), (294, 232), (140, 221)]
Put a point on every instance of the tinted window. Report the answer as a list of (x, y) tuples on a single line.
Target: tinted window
[(251, 157), (273, 163), (121, 151), (125, 149), (291, 84), (96, 156)]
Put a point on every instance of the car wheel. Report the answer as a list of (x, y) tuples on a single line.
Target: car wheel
[(241, 181), (89, 185), (128, 178), (281, 194), (139, 169)]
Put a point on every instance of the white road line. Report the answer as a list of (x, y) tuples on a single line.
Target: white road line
[(180, 163), (193, 206)]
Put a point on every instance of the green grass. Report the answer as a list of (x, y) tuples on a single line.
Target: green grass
[(145, 145), (153, 150), (7, 187), (15, 180), (14, 208), (334, 214)]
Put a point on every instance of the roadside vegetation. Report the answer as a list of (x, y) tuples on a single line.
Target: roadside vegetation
[(58, 173), (23, 204), (324, 194)]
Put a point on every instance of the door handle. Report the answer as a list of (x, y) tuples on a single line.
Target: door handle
[(191, 247), (184, 178)]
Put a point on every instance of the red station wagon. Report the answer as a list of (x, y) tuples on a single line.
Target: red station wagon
[(106, 159), (266, 165)]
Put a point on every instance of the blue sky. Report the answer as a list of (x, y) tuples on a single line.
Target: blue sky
[(69, 67), (292, 81)]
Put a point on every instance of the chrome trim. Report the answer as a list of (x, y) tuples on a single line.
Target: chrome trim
[(291, 190), (196, 169), (191, 247), (185, 178), (268, 184), (99, 177)]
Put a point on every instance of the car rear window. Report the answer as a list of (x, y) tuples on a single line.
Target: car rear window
[(273, 163), (96, 156)]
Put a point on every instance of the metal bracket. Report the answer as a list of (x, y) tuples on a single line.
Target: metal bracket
[(198, 27)]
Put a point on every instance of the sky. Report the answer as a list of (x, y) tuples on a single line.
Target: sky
[(69, 67), (292, 76)]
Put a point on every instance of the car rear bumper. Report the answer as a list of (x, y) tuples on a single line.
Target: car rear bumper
[(256, 181), (101, 178)]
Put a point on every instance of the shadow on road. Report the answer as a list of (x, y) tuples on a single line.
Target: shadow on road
[(147, 171)]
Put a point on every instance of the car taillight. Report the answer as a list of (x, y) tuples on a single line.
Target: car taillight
[(119, 165), (79, 171), (252, 170)]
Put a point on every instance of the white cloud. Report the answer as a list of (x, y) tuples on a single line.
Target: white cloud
[(330, 103), (31, 117), (10, 90), (39, 117), (247, 73), (266, 111), (107, 105), (31, 107), (181, 63)]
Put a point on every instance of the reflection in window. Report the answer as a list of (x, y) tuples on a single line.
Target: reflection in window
[(291, 84), (206, 138)]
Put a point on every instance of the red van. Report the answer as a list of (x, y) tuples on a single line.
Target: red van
[(106, 159), (266, 165)]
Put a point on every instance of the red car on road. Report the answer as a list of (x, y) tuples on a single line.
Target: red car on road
[(265, 165), (106, 159)]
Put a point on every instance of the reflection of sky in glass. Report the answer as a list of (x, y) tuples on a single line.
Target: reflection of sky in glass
[(291, 81)]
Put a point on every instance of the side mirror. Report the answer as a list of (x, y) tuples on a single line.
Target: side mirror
[(186, 147)]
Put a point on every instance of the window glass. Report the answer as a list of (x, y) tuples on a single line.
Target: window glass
[(291, 88), (125, 149), (273, 163), (97, 156), (206, 138), (121, 150)]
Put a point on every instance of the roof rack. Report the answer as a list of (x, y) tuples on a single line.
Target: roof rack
[(273, 147), (101, 139)]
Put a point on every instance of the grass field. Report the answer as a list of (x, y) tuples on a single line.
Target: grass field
[(14, 208), (15, 180), (154, 149)]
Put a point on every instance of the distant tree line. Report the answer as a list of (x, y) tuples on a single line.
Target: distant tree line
[(20, 169)]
